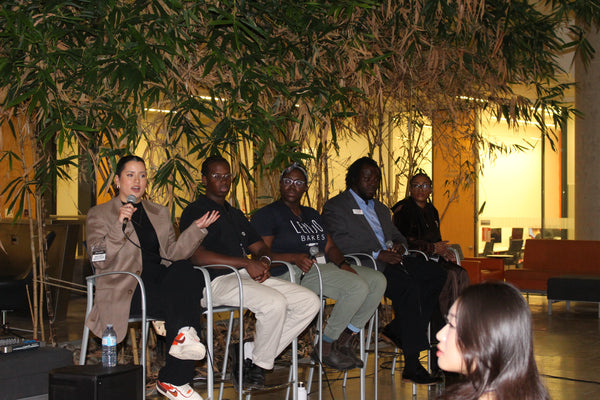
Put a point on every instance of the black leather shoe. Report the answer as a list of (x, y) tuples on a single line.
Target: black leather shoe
[(388, 335), (419, 376), (234, 365), (347, 344), (254, 376)]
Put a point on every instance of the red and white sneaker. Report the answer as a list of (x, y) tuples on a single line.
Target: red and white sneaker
[(187, 346), (177, 392)]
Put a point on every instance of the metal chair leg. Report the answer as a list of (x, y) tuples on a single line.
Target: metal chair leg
[(145, 324)]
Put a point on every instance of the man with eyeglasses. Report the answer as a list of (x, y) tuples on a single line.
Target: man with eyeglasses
[(295, 234), (282, 309), (358, 222)]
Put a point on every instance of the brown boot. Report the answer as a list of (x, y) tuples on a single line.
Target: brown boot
[(332, 356), (347, 344)]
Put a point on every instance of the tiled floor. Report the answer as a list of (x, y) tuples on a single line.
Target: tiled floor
[(567, 351)]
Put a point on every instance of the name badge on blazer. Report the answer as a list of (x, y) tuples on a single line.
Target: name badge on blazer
[(100, 256), (357, 211)]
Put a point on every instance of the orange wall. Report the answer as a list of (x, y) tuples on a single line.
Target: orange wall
[(8, 143), (455, 205)]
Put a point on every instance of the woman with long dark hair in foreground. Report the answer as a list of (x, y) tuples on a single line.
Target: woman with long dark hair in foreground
[(488, 338)]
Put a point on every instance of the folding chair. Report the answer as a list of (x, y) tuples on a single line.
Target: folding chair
[(295, 342), (396, 349), (210, 311), (363, 347), (373, 328), (91, 281), (210, 338)]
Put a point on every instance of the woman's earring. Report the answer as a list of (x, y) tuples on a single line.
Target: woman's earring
[(118, 187)]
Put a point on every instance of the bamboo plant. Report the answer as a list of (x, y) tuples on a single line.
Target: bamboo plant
[(265, 82)]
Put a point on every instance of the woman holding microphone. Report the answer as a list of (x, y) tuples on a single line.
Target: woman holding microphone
[(135, 235)]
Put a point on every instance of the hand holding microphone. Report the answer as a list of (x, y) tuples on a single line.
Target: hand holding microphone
[(313, 251), (396, 248), (317, 255), (389, 254), (131, 199)]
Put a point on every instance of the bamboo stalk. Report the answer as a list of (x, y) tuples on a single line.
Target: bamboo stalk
[(134, 346), (64, 286)]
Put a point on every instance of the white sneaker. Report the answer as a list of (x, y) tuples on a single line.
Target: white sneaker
[(187, 346), (177, 392), (159, 328)]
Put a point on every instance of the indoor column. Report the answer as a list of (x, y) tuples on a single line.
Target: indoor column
[(587, 147)]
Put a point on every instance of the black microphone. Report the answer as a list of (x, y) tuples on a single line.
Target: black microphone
[(390, 245), (313, 250), (131, 199)]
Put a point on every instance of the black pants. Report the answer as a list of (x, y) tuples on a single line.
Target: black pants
[(173, 293), (414, 289)]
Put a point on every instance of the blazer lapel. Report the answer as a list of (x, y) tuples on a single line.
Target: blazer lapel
[(364, 224)]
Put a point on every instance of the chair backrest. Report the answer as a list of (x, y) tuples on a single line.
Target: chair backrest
[(515, 246), (458, 250), (516, 233), (515, 249), (488, 248)]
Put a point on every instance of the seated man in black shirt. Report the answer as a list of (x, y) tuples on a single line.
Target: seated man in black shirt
[(282, 309), (358, 222)]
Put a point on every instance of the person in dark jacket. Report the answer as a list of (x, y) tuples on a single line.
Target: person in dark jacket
[(419, 221)]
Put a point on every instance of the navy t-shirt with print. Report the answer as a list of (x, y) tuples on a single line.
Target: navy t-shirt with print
[(291, 233)]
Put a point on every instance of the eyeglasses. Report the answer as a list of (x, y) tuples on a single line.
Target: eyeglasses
[(297, 182), (221, 177), (422, 186)]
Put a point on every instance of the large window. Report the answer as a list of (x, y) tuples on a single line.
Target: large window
[(529, 190)]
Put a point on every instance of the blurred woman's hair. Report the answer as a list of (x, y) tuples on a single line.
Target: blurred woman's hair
[(494, 334)]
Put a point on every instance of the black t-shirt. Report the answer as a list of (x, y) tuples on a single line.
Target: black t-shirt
[(291, 233), (152, 271), (230, 235), (147, 237)]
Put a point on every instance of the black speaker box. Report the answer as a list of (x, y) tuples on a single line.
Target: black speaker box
[(24, 373), (94, 382)]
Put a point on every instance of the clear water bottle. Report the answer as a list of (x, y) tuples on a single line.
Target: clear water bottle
[(302, 395), (109, 347)]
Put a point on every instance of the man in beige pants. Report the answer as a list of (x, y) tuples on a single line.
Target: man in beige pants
[(282, 309)]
